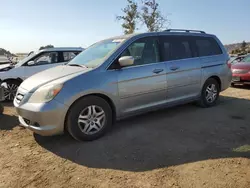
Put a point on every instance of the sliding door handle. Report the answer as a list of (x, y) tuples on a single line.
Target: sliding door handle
[(157, 71), (174, 68)]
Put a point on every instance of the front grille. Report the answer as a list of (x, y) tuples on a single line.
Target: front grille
[(26, 121), (30, 123), (19, 97), (239, 71)]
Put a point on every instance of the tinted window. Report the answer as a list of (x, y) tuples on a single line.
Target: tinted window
[(67, 56), (207, 46), (166, 49), (46, 58), (144, 51), (180, 50), (175, 48)]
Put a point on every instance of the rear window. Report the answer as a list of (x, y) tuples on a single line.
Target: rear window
[(207, 46)]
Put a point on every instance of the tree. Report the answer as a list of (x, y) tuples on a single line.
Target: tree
[(130, 17), (233, 52), (45, 47), (237, 50), (152, 17), (243, 45)]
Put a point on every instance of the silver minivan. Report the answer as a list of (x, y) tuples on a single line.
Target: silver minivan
[(121, 77)]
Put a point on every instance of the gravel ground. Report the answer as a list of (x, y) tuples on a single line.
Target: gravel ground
[(185, 146)]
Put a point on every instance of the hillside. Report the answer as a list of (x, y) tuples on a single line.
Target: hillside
[(5, 52), (234, 46)]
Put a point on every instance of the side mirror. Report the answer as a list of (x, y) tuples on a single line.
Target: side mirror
[(30, 63), (126, 61)]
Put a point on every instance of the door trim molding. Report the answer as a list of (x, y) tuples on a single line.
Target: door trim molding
[(143, 93)]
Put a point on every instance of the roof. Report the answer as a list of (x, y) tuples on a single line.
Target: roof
[(166, 32)]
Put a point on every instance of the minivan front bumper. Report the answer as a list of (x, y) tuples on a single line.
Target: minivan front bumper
[(45, 119)]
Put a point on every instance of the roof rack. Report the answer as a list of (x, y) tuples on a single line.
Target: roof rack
[(184, 30)]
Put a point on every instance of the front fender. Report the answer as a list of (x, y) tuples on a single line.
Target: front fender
[(93, 84), (15, 73)]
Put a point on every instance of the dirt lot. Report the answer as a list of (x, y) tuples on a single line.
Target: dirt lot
[(185, 146)]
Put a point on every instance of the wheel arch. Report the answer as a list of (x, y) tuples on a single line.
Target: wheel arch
[(13, 79), (103, 96), (217, 78)]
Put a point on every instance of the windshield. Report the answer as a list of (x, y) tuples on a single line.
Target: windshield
[(96, 54), (246, 59), (232, 59)]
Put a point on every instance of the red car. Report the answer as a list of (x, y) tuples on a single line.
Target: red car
[(241, 71)]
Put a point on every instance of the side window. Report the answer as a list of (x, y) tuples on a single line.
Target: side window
[(46, 58), (144, 51), (207, 46), (67, 56), (175, 48), (180, 49), (165, 48)]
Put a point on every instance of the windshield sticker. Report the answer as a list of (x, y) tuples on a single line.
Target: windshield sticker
[(118, 40)]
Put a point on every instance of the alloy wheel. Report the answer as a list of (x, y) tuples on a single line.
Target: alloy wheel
[(91, 120), (211, 93), (10, 91)]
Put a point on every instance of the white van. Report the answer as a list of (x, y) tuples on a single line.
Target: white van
[(13, 75)]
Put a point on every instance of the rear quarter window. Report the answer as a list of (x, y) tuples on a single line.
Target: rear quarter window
[(207, 46)]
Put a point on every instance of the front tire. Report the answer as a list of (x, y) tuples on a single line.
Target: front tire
[(89, 118), (1, 109), (210, 93), (10, 91)]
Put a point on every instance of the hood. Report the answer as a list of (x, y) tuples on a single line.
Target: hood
[(241, 66), (4, 66), (63, 73)]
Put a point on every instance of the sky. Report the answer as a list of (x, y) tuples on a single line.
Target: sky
[(25, 25)]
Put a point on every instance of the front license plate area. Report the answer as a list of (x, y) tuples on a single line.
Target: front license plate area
[(236, 78)]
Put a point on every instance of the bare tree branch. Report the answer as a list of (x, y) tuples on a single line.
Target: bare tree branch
[(152, 17), (130, 17)]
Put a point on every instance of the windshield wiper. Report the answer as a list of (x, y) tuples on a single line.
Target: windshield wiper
[(77, 65)]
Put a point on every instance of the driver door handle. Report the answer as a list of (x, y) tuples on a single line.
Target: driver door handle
[(157, 71)]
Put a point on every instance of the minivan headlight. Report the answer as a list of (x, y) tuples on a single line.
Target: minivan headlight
[(45, 93)]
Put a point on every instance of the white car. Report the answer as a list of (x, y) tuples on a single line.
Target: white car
[(4, 60), (39, 61)]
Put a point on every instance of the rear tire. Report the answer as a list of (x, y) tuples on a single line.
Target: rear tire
[(89, 118), (232, 85), (210, 93), (10, 91)]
